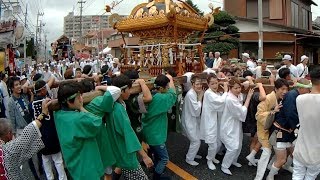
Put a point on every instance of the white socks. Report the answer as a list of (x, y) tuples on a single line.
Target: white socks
[(216, 161), (251, 157), (273, 171), (287, 166)]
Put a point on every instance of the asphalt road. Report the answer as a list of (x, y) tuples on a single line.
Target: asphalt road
[(178, 147)]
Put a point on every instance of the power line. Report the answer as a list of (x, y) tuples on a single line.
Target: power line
[(89, 4), (16, 17), (27, 14)]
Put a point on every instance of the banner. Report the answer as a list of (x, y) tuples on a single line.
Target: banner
[(2, 61)]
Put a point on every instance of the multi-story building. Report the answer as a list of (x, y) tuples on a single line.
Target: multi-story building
[(316, 25), (287, 26), (98, 40), (89, 23)]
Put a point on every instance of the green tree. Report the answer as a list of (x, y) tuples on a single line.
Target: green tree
[(222, 36), (31, 48), (194, 6)]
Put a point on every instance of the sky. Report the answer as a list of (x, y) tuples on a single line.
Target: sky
[(55, 10)]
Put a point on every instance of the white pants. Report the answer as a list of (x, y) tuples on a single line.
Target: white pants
[(302, 172), (232, 153), (193, 150), (58, 163), (212, 151)]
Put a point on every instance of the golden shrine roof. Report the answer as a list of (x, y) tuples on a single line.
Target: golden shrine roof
[(162, 14)]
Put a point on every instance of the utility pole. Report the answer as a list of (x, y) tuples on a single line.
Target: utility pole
[(5, 6), (45, 47), (37, 26), (39, 14), (81, 2), (25, 37), (101, 29), (260, 14), (40, 31)]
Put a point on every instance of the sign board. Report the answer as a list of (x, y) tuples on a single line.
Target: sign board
[(6, 26)]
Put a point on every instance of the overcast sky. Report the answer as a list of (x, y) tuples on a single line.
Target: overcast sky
[(55, 10)]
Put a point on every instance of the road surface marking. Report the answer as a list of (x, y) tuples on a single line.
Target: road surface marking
[(176, 169)]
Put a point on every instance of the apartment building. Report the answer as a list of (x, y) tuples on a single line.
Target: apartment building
[(89, 23)]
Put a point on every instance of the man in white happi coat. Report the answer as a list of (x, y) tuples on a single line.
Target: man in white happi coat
[(302, 68), (191, 118), (287, 60), (217, 61), (306, 156), (213, 103), (250, 64)]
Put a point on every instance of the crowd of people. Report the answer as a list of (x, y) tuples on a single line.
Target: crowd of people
[(91, 136), (277, 120)]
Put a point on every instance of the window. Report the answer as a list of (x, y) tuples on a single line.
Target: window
[(294, 14), (305, 19)]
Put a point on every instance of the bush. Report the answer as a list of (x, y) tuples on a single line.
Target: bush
[(224, 19), (214, 35), (222, 47), (231, 29)]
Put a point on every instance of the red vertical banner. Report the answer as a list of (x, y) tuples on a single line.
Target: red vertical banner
[(11, 60)]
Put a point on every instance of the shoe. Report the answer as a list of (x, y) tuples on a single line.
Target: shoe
[(238, 165), (226, 171), (255, 160), (211, 166), (192, 163), (251, 160), (198, 157), (216, 161)]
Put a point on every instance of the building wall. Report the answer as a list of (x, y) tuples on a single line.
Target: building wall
[(273, 43), (270, 49), (267, 36), (89, 23), (274, 11), (236, 7), (246, 26)]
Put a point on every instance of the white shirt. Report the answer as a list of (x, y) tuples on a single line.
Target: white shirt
[(190, 117), (4, 89), (258, 71), (251, 65), (217, 63), (307, 146), (46, 75), (233, 115), (213, 104), (303, 71), (293, 70)]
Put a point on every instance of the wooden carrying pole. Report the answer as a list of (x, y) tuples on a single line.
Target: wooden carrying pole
[(87, 97)]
